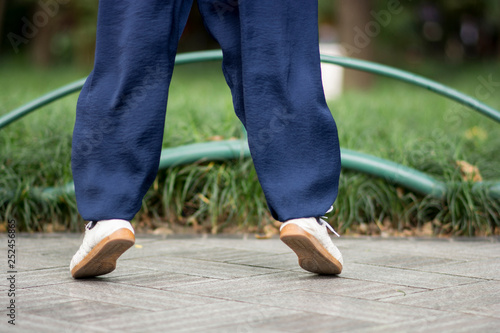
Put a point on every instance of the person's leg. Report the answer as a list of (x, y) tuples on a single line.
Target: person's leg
[(121, 110), (120, 123), (272, 65)]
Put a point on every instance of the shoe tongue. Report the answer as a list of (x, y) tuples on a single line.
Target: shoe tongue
[(90, 225)]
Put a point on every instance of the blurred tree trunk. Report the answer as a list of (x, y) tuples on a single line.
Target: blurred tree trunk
[(498, 39), (353, 18), (40, 48), (2, 12)]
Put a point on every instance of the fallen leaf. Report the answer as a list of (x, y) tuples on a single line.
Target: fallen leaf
[(476, 132), (203, 198), (162, 231), (269, 231), (469, 172), (215, 138)]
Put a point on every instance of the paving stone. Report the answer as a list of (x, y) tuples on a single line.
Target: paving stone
[(160, 280), (481, 268), (341, 306), (249, 242), (34, 298), (37, 242), (285, 261), (84, 311), (399, 260), (445, 248), (41, 277), (238, 256), (356, 288), (456, 323), (30, 323), (482, 298), (28, 261), (125, 295), (242, 317), (411, 278), (238, 289), (239, 283), (232, 329), (477, 248), (145, 247), (310, 322), (219, 254), (202, 268), (396, 253)]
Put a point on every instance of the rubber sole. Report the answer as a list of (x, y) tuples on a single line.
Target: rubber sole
[(313, 256), (102, 258)]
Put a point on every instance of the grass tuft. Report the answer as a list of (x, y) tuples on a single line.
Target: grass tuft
[(393, 121)]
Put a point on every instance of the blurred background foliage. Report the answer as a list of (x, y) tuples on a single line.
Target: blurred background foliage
[(445, 30), (48, 43)]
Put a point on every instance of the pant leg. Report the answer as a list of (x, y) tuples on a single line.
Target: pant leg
[(272, 65), (121, 110)]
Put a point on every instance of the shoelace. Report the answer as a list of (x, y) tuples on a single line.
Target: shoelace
[(322, 221)]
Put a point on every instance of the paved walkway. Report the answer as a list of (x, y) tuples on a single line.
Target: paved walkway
[(242, 284)]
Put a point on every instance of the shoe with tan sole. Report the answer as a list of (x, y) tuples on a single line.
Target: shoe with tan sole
[(104, 242), (309, 239)]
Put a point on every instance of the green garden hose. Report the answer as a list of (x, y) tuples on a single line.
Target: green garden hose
[(234, 149)]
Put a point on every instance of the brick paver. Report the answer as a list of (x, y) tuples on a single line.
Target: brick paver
[(243, 284)]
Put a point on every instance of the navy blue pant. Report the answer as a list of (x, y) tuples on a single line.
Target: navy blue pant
[(271, 63)]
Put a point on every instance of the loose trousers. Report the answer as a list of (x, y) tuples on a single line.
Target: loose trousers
[(272, 66)]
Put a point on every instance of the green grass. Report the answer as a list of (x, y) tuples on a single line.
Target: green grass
[(393, 120)]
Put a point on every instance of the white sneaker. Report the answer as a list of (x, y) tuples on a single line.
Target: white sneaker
[(309, 239), (103, 243)]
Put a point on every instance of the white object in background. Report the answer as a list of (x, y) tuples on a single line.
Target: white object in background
[(332, 75)]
